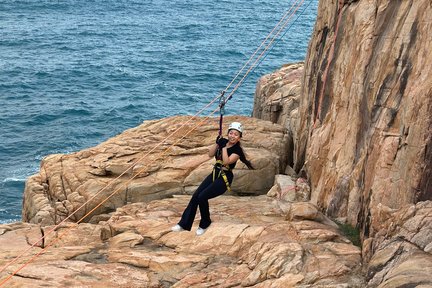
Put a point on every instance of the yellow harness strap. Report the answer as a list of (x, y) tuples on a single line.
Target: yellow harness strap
[(221, 173)]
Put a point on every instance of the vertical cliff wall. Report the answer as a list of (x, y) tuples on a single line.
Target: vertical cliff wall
[(365, 128)]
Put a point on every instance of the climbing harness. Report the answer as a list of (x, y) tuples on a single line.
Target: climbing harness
[(220, 166), (280, 26)]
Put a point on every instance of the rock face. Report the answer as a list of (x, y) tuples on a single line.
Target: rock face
[(250, 243), (277, 98), (362, 131), (366, 110), (402, 249), (142, 164)]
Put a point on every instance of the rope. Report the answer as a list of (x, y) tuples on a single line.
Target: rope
[(103, 201), (221, 111), (290, 12), (253, 66), (262, 43), (283, 35), (107, 185), (222, 103)]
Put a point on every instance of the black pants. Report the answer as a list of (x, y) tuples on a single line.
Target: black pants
[(207, 190)]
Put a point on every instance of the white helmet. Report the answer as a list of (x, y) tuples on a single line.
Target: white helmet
[(236, 126)]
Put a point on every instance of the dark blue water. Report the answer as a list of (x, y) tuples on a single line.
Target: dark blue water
[(75, 73)]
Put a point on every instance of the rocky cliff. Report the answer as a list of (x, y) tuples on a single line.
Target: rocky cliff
[(361, 127), (366, 106), (355, 122)]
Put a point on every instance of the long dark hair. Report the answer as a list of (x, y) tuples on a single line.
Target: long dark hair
[(243, 158)]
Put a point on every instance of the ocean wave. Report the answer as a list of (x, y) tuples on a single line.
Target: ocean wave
[(42, 119), (17, 85), (164, 74), (190, 26), (16, 97), (16, 42), (10, 220), (13, 179), (77, 112)]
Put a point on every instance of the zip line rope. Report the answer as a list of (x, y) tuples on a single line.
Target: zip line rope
[(222, 100), (254, 65), (260, 59), (262, 43), (282, 36)]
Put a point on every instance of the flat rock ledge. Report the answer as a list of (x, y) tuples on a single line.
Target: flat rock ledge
[(251, 243), (146, 163)]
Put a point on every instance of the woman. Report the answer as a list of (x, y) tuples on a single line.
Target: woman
[(227, 152)]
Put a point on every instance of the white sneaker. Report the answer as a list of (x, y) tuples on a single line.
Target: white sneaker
[(200, 231), (177, 228)]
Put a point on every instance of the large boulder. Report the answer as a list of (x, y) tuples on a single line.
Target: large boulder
[(154, 160), (277, 98), (400, 254)]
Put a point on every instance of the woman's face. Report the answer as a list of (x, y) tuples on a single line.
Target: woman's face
[(233, 136)]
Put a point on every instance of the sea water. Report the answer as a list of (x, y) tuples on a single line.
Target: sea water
[(74, 73)]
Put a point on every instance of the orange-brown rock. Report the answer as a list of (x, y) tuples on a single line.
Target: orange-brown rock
[(366, 108), (249, 244), (277, 97), (401, 251), (362, 128), (141, 164)]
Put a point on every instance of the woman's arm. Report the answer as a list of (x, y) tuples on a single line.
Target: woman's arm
[(228, 159), (212, 150)]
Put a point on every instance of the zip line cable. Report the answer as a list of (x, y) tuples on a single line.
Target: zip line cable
[(283, 35), (222, 100), (258, 61), (262, 43), (254, 65)]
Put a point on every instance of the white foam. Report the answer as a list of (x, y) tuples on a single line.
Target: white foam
[(10, 220), (13, 179)]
